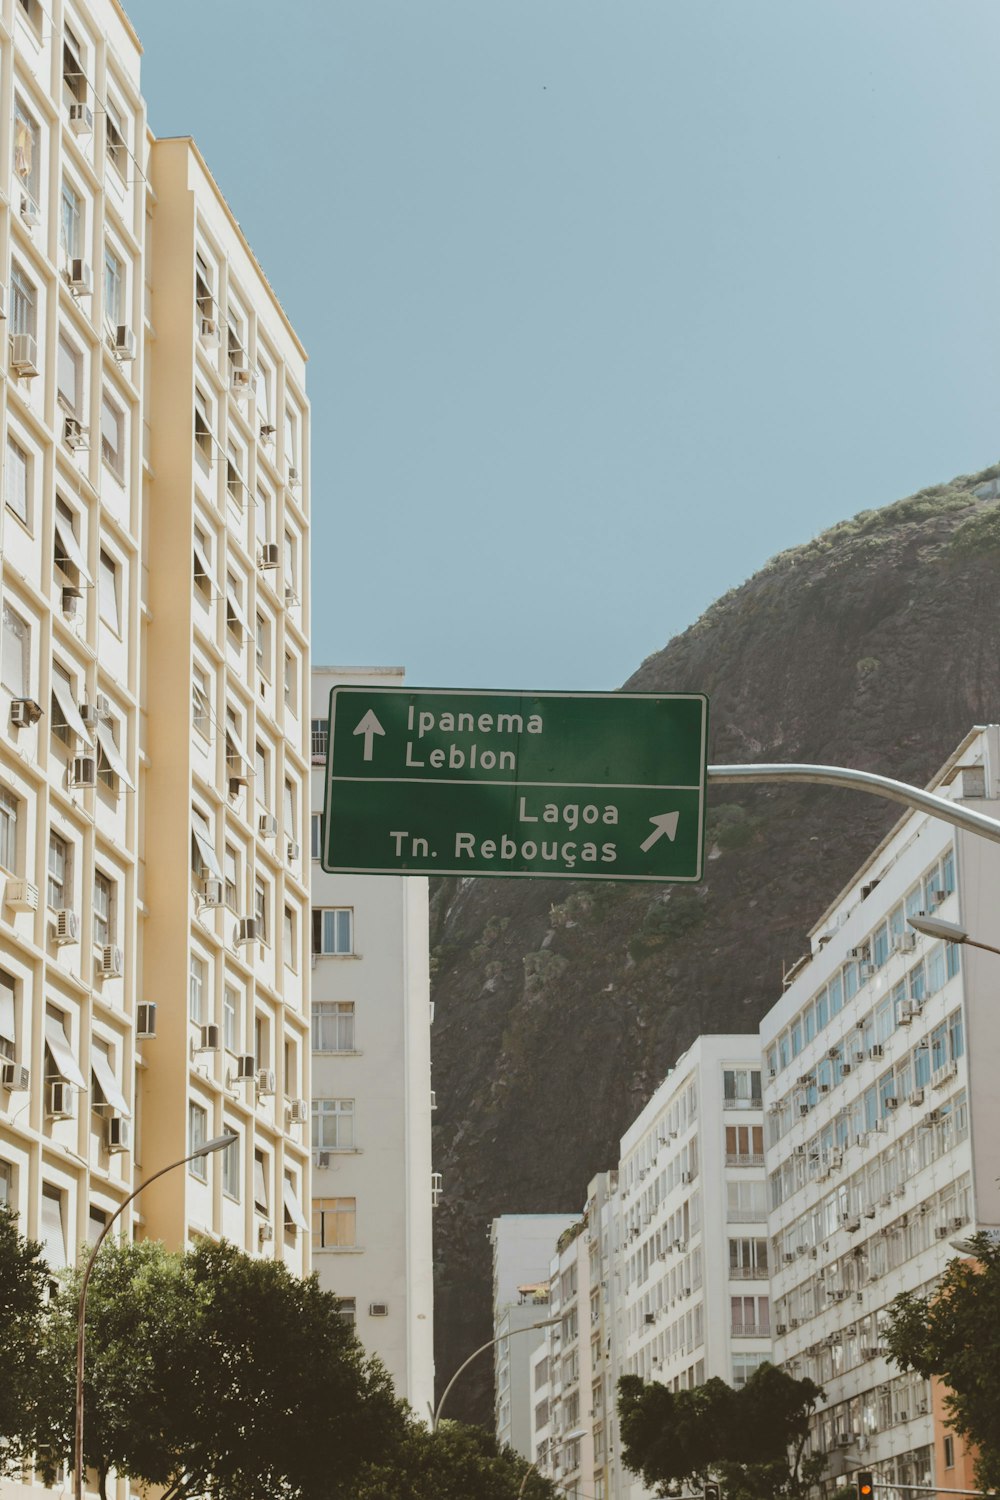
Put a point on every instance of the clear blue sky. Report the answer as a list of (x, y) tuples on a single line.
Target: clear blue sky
[(606, 301)]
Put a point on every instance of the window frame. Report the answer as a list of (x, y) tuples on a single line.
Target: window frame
[(113, 454)]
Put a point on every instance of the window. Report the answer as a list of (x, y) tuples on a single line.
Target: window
[(333, 930), (23, 303), (203, 286), (288, 810), (108, 580), (114, 287), (6, 1185), (97, 1221), (74, 76), (197, 1136), (204, 860), (104, 909), (31, 10), (333, 1026), (69, 376), (335, 1223), (347, 1310), (115, 136), (261, 1041), (196, 990), (234, 341), (259, 1182), (111, 765), (333, 1124), (113, 436), (316, 832), (202, 425), (261, 789), (8, 1019), (234, 476), (201, 701), (260, 906), (58, 872), (16, 652), (231, 877), (9, 807), (236, 620), (262, 637), (231, 1171), (291, 570), (231, 1019), (741, 1088), (320, 733), (290, 681), (288, 939), (16, 489), (53, 1226), (26, 153), (70, 221)]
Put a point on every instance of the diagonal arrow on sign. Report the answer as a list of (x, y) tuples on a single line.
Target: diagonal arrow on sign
[(369, 727), (663, 823)]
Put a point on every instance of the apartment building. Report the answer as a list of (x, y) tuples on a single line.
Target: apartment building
[(669, 1265), (154, 969), (883, 1118), (373, 1190), (522, 1249)]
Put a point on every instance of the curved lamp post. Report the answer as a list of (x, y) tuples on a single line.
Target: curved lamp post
[(937, 927), (512, 1333), (218, 1143)]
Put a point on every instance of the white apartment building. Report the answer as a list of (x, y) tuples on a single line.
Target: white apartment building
[(373, 1191), (883, 1121), (522, 1249), (154, 971), (667, 1275)]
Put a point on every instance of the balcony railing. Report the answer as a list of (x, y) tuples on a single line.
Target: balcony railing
[(748, 1273), (746, 1215), (730, 1101), (751, 1330), (744, 1158)]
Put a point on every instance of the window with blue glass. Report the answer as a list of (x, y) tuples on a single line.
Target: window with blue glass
[(952, 960), (822, 1009), (922, 1066), (880, 944), (809, 1023), (956, 1039), (836, 992), (850, 981), (871, 1108), (939, 1047)]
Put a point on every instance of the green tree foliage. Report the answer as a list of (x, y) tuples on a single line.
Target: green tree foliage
[(24, 1278), (955, 1335), (214, 1374), (751, 1440), (454, 1463)]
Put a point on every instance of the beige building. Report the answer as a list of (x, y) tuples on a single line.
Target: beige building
[(154, 944)]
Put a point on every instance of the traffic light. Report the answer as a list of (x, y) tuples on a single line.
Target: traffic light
[(712, 1492), (866, 1485)]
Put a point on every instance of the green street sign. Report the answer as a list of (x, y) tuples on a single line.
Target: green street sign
[(588, 786)]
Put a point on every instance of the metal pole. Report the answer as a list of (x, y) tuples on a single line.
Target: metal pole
[(866, 781), (528, 1328), (81, 1325)]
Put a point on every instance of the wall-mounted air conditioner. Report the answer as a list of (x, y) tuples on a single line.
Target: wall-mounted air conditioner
[(246, 931), (212, 891), (117, 1133), (30, 212), (24, 712), (208, 332), (24, 355), (378, 1309), (75, 434), (58, 1100), (123, 342), (246, 1067), (293, 475), (81, 118), (265, 1081), (292, 850), (67, 926), (80, 276), (15, 1078), (112, 962), (267, 825), (297, 1111), (270, 556), (21, 895), (209, 1039)]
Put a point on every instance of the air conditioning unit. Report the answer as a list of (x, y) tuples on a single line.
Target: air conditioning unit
[(917, 1097), (687, 1177), (21, 895), (15, 1078), (942, 1231), (75, 435), (298, 1111), (793, 1322), (864, 952), (212, 891), (956, 1221), (322, 1160), (265, 1232), (891, 1101), (246, 931), (246, 1067), (145, 1019), (845, 1068), (803, 1110), (89, 714), (870, 1351), (209, 1039), (67, 927), (80, 276), (824, 1088), (124, 342), (788, 1257), (265, 1081), (270, 556), (208, 331), (83, 771), (117, 1133), (58, 1100), (236, 785), (24, 712), (805, 1080), (293, 475), (869, 1210), (291, 597), (244, 382), (851, 1224), (876, 1051), (30, 213), (780, 1329), (378, 1309), (112, 962), (292, 851), (70, 602), (267, 825), (267, 432), (905, 1013), (904, 942), (81, 118), (24, 355)]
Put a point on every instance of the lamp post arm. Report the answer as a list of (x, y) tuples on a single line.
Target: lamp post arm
[(81, 1324), (528, 1328)]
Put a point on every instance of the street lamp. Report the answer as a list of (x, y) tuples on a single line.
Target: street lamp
[(218, 1143), (937, 927), (511, 1332)]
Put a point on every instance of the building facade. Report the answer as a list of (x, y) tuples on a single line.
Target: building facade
[(882, 1116), (373, 1190), (154, 927)]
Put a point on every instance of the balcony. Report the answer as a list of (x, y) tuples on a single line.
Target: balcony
[(748, 1273), (744, 1158), (750, 1330), (730, 1101)]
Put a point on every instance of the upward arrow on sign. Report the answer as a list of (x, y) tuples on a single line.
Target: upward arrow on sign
[(664, 823), (369, 727)]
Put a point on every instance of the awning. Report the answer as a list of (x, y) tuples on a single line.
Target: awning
[(209, 858), (234, 741), (293, 1209), (234, 609), (68, 547), (259, 1185), (63, 694), (203, 568), (113, 755), (107, 1082), (66, 1064), (7, 1032)]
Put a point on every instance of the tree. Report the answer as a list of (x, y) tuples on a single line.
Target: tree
[(24, 1278), (454, 1463), (752, 1440), (954, 1334), (213, 1373)]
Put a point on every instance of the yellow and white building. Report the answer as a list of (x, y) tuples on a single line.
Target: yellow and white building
[(154, 770)]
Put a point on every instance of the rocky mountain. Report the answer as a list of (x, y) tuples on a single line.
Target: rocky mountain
[(560, 1006)]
